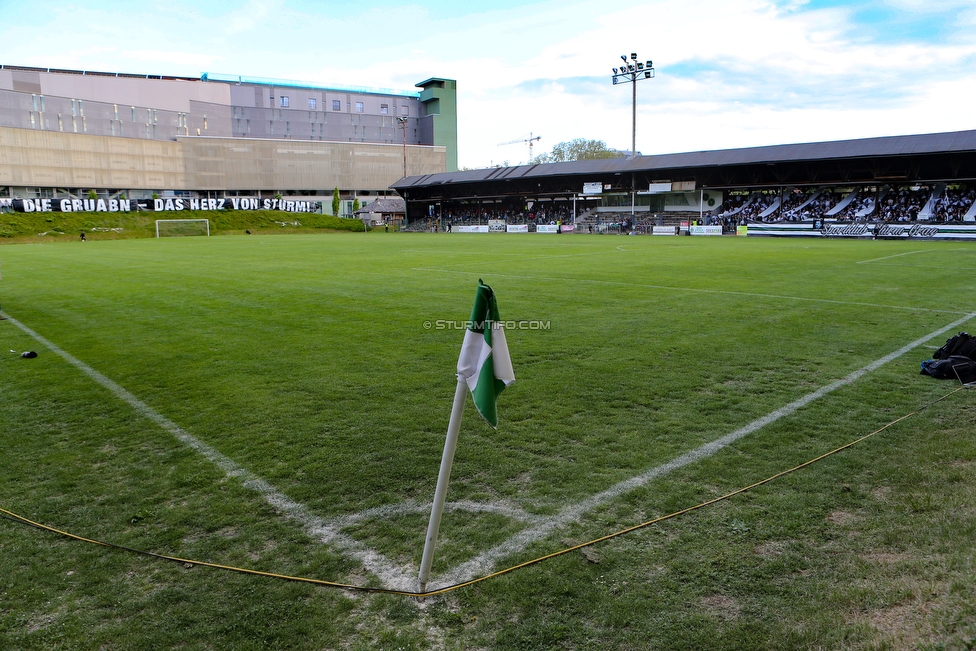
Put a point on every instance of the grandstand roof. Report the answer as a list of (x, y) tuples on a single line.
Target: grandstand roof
[(672, 165)]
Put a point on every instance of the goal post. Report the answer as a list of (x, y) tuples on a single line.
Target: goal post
[(182, 227)]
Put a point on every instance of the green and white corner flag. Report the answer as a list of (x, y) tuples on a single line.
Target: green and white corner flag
[(484, 363)]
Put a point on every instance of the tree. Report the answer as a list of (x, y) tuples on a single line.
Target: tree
[(578, 149), (355, 204), (335, 203)]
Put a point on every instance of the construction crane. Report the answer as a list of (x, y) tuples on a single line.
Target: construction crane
[(529, 139)]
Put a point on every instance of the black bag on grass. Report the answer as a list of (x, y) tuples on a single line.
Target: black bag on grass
[(942, 368), (962, 344)]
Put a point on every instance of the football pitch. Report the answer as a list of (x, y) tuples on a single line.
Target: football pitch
[(279, 403)]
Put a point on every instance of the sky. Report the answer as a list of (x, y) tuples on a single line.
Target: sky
[(729, 73)]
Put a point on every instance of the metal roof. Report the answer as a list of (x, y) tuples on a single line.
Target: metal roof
[(889, 146)]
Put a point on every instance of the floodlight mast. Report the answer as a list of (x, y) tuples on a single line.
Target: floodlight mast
[(631, 72), (402, 123)]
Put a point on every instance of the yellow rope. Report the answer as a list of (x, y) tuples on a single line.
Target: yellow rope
[(456, 586)]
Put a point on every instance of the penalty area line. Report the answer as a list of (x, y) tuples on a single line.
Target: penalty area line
[(314, 526), (485, 562)]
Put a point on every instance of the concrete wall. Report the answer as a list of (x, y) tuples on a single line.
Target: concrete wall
[(261, 164), (54, 159)]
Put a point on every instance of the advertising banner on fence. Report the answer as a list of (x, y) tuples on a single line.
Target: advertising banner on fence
[(518, 228), (664, 230), (705, 230), (569, 228), (864, 231), (546, 228), (471, 229), (169, 204), (741, 230), (496, 225)]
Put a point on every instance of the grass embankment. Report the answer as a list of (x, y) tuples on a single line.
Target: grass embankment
[(35, 226)]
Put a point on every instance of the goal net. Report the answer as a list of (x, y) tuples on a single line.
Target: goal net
[(182, 227)]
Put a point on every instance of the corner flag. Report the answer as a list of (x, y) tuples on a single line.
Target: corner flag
[(484, 363)]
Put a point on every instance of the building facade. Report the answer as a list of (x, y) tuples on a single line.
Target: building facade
[(63, 132)]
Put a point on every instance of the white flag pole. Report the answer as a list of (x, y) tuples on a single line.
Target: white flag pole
[(440, 493)]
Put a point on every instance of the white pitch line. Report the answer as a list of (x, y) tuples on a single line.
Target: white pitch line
[(688, 289), (897, 255), (410, 507), (928, 266), (314, 526), (486, 561)]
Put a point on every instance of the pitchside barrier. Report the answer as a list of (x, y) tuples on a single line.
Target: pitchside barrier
[(865, 231), (512, 228)]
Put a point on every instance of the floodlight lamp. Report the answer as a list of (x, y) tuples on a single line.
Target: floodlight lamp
[(650, 64), (614, 71), (647, 74), (633, 55), (624, 57), (640, 66), (631, 68), (615, 80)]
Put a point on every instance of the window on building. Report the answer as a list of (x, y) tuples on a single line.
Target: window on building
[(404, 110), (336, 105), (204, 122), (384, 109), (313, 103), (81, 109), (73, 109), (60, 125), (133, 113), (42, 103), (284, 101), (359, 107)]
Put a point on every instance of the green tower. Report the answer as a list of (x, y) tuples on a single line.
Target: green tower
[(439, 97)]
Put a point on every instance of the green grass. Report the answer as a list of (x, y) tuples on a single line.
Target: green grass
[(305, 360)]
